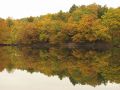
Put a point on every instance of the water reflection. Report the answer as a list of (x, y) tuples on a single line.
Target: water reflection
[(22, 80), (80, 66)]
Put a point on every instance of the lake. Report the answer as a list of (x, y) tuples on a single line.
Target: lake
[(59, 68)]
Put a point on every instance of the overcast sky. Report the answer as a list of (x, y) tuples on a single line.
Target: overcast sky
[(25, 8)]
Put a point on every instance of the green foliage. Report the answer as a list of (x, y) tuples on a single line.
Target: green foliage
[(10, 21), (112, 20), (73, 8), (43, 37), (30, 19)]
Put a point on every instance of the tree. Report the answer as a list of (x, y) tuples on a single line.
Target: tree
[(27, 34), (73, 8), (4, 32), (10, 21), (91, 29), (112, 20), (102, 11), (30, 19)]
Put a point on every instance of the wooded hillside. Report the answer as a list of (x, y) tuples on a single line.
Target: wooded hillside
[(80, 24)]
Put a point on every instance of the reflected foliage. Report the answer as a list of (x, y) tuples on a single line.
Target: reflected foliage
[(92, 67)]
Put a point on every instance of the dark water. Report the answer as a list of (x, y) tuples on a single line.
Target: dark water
[(26, 68)]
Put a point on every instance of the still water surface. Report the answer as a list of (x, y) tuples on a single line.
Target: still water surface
[(59, 69)]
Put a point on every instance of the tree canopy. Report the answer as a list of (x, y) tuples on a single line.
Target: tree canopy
[(89, 23)]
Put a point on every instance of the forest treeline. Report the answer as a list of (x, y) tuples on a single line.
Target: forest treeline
[(89, 23)]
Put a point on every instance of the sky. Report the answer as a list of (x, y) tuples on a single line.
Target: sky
[(25, 8)]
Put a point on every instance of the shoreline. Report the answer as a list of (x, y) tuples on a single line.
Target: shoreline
[(100, 45)]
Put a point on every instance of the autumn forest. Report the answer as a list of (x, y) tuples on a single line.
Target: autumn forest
[(77, 49), (91, 23)]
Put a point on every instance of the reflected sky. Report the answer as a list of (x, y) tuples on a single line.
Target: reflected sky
[(23, 80)]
